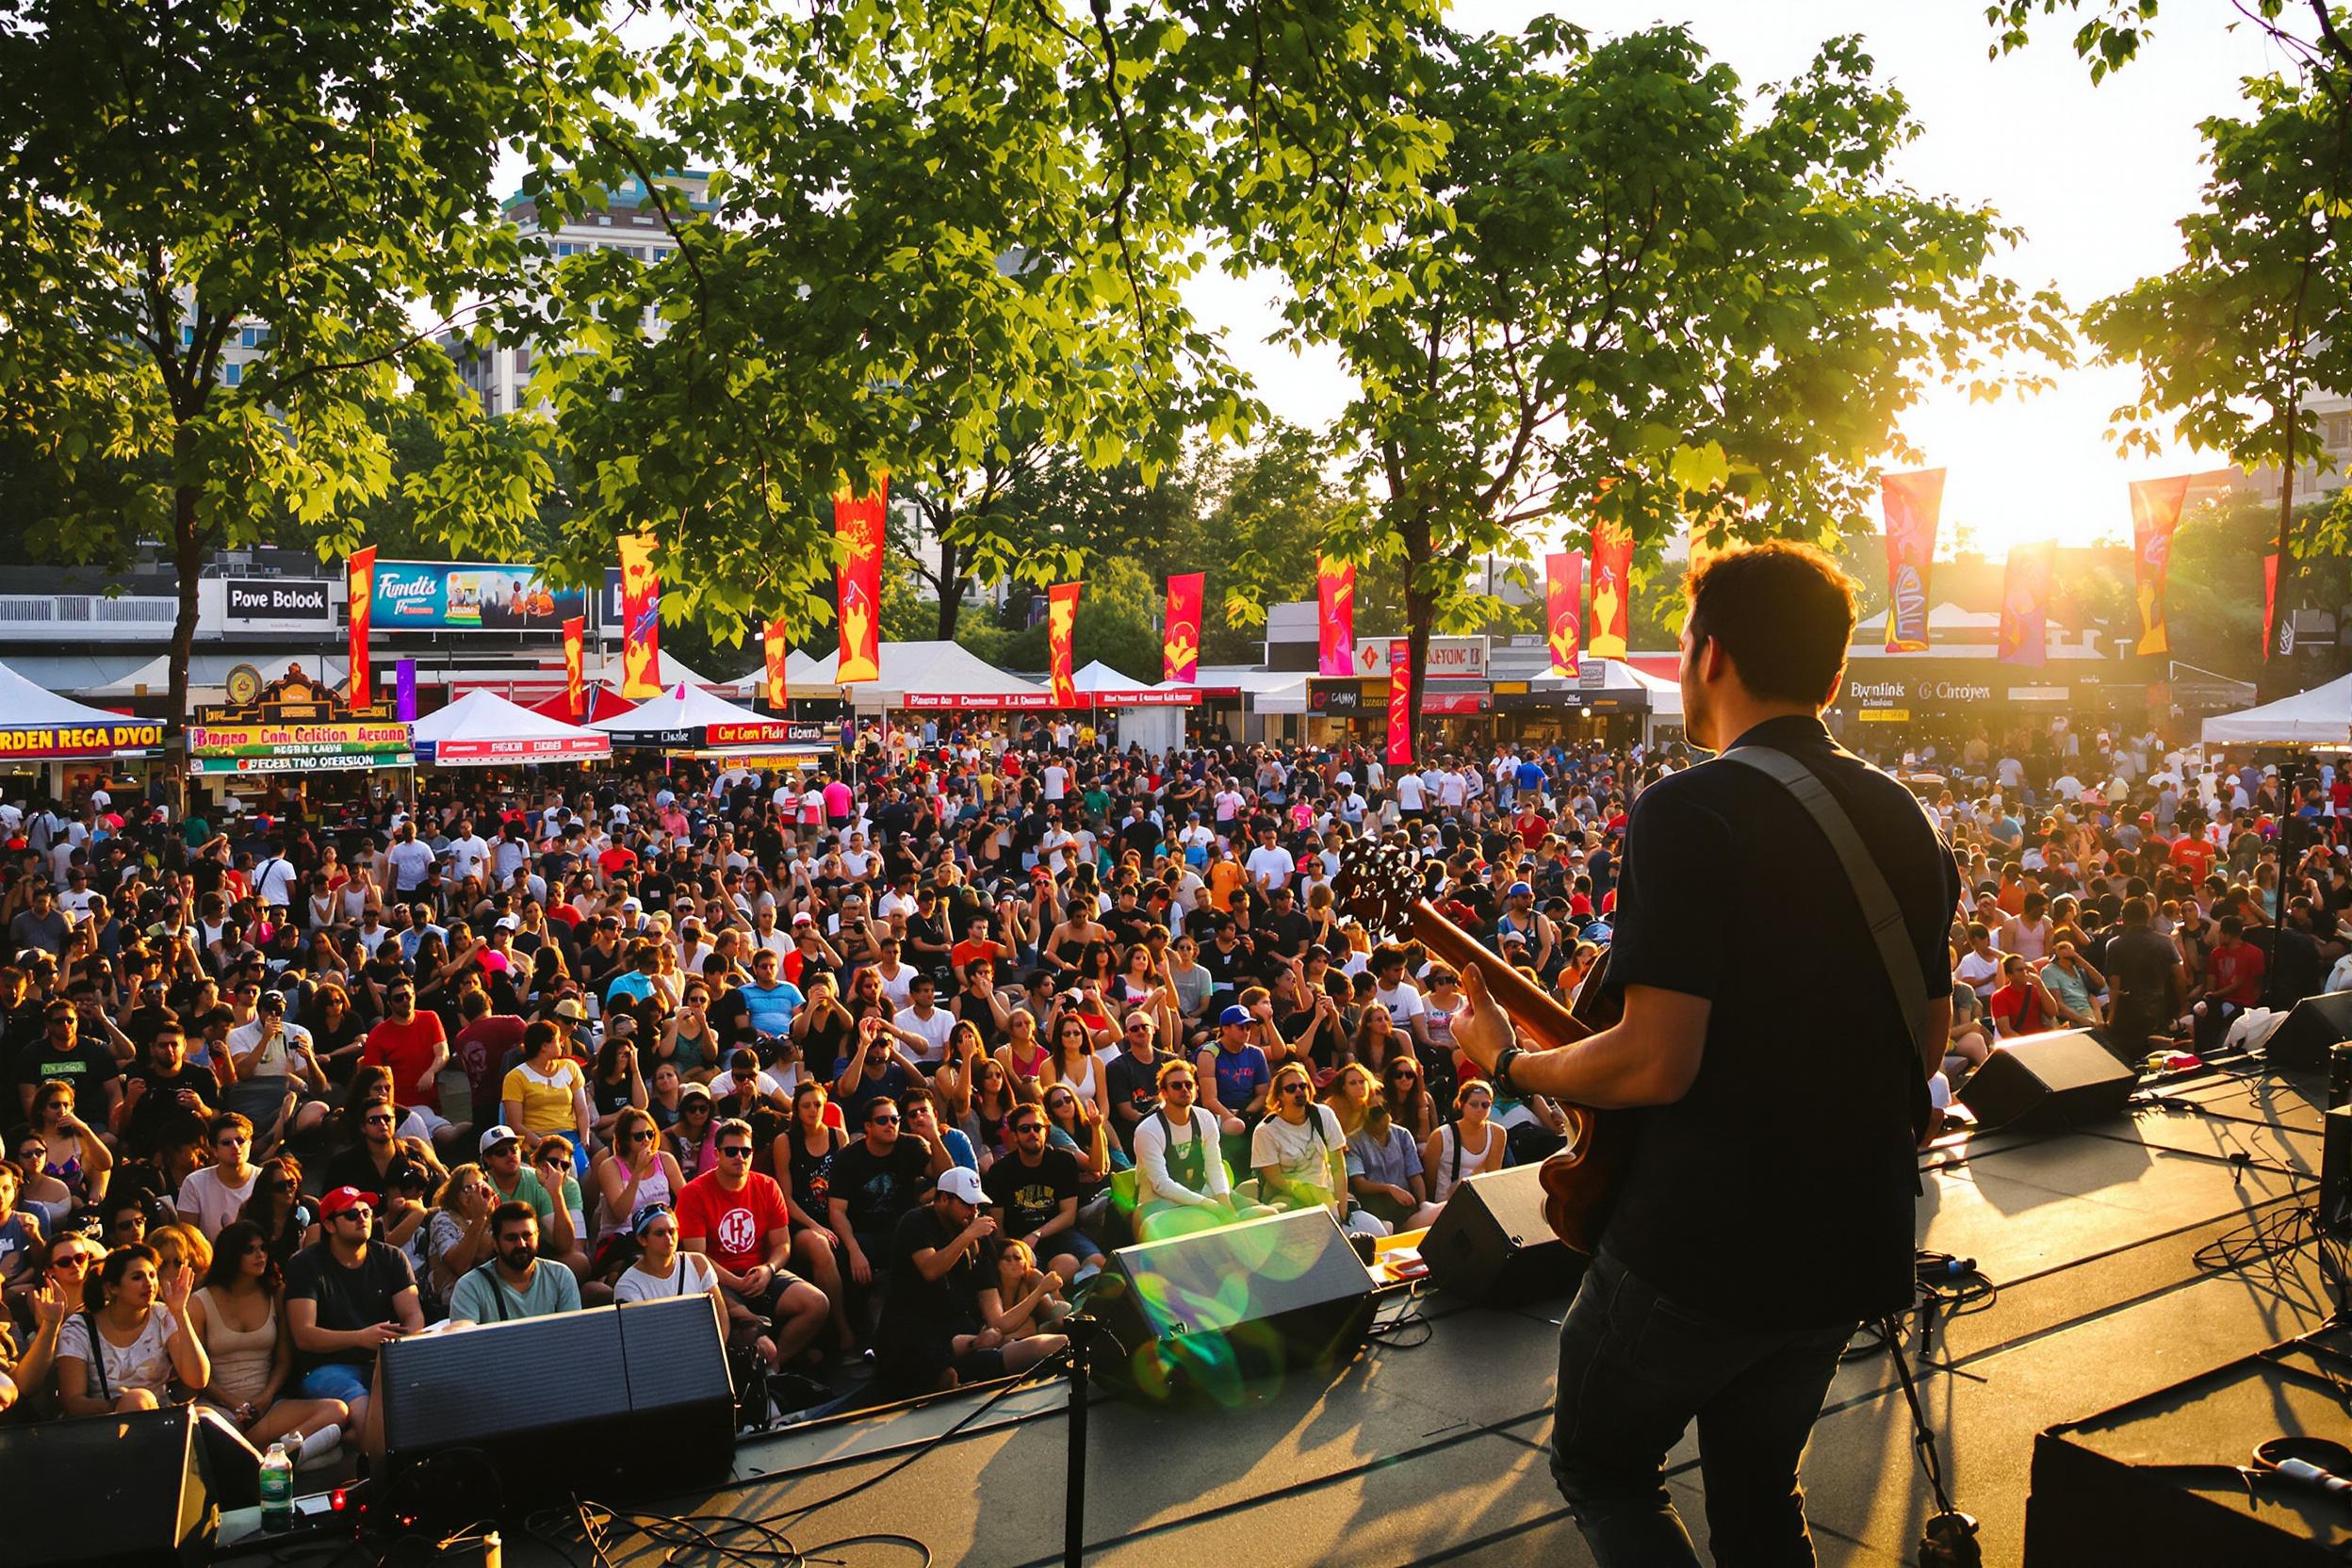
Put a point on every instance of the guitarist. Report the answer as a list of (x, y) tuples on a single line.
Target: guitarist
[(1766, 1206)]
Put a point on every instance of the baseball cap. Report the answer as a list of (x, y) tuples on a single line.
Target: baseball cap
[(804, 918), (1235, 1014), (569, 1009), (501, 1133), (1520, 890), (960, 1182), (509, 923), (341, 1198)]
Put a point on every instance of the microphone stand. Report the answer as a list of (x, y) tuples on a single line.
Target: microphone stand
[(1081, 1329)]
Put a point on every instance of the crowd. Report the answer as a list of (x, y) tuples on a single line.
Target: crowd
[(887, 1055)]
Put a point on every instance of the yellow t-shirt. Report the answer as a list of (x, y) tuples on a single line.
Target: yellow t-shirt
[(546, 1101), (1225, 879)]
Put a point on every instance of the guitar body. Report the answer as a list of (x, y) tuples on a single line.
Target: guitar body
[(1382, 887)]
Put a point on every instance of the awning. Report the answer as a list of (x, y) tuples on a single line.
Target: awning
[(37, 724), (690, 719), (2319, 717), (482, 730)]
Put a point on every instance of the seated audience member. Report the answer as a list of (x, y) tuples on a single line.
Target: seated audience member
[(238, 1318), (737, 1219), (943, 1321), (346, 1298), (1181, 1181), (131, 1339), (515, 1284)]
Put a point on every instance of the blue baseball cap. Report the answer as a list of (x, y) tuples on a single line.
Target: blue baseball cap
[(1235, 1014)]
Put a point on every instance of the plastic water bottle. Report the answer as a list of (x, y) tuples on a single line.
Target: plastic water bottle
[(277, 1488)]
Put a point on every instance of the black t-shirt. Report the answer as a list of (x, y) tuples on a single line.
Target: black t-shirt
[(347, 1298), (2139, 969), (878, 1188), (917, 1308), (158, 1117), (356, 1167), (88, 1067), (1134, 1083), (1790, 1162), (1032, 1196)]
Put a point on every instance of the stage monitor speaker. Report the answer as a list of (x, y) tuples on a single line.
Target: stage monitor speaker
[(1211, 1312), (122, 1491), (2062, 1079), (1490, 1244), (2316, 1026), (620, 1401)]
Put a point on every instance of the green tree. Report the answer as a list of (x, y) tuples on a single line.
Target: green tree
[(1641, 297), (186, 181)]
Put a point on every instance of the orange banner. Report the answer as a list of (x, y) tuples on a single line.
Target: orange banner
[(1563, 595), (858, 526), (2025, 605), (575, 658), (1400, 703), (1914, 503), (1334, 617), (1061, 631), (1180, 644), (2155, 513), (1611, 621), (360, 579), (775, 650), (641, 620)]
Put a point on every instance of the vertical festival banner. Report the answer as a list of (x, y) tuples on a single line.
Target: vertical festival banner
[(1334, 617), (574, 670), (777, 650), (1915, 504), (1399, 702), (858, 528), (1613, 590), (1563, 591), (640, 620), (1061, 629), (404, 690), (2155, 513), (1180, 641), (2025, 604), (360, 579), (2270, 607)]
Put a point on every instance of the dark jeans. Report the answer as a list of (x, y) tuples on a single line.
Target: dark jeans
[(1634, 1369)]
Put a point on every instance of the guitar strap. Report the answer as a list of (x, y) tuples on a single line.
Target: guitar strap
[(1880, 910)]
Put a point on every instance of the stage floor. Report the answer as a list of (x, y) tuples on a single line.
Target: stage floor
[(1435, 1454)]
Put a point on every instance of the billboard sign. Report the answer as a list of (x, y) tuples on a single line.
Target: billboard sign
[(436, 595)]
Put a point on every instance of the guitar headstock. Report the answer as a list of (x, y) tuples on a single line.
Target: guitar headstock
[(1376, 886)]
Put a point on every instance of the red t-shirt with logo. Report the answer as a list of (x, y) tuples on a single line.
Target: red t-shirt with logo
[(408, 1049), (2235, 973), (733, 1226)]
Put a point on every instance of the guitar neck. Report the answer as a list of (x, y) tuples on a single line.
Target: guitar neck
[(1542, 1014)]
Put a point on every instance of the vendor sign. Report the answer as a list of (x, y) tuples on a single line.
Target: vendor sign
[(41, 742)]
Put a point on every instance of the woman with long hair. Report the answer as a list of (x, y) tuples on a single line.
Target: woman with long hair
[(1072, 1064), (640, 1172), (1024, 1056), (121, 1351), (71, 1151), (1073, 1125), (1351, 1095), (278, 1208), (457, 1236), (992, 1100), (337, 1034), (1467, 1145), (545, 1094), (1377, 1044), (1409, 1104), (615, 1086), (236, 1319), (802, 1158)]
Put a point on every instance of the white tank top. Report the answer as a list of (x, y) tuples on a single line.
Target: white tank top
[(1442, 1180)]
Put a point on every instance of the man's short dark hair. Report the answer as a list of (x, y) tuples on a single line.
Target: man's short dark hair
[(1782, 613), (508, 1213)]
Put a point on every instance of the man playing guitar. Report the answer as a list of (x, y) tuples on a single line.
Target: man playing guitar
[(1766, 1201)]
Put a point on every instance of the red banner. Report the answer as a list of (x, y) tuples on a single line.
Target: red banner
[(1180, 644), (2155, 513), (641, 620), (360, 579), (1334, 617), (1400, 703), (858, 528), (1563, 591), (1613, 590), (1915, 504), (777, 650), (2025, 605), (2270, 606), (1061, 631), (575, 658)]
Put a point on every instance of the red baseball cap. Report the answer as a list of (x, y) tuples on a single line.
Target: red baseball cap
[(341, 1198)]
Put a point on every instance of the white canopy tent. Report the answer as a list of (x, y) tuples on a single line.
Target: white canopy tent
[(2319, 717), (931, 675), (482, 730), (35, 722), (1156, 724)]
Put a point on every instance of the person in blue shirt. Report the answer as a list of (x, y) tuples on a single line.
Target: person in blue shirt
[(770, 1002)]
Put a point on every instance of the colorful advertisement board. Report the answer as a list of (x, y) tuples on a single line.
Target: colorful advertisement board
[(437, 595), (36, 743)]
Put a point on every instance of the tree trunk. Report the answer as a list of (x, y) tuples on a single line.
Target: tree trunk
[(188, 562), (950, 583)]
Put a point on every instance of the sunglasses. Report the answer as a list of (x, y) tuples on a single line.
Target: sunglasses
[(1294, 1089), (643, 1136), (372, 1122), (737, 1152), (1178, 1084), (881, 1121), (73, 1261)]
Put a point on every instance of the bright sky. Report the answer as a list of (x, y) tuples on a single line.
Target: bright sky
[(2097, 176)]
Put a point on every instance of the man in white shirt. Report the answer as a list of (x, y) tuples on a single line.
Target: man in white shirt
[(1057, 776), (930, 1024), (1412, 794), (273, 880), (1182, 1185), (409, 860), (466, 852), (1301, 1155), (1393, 991), (1270, 865)]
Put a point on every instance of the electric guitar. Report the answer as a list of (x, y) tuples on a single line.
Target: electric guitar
[(1381, 885)]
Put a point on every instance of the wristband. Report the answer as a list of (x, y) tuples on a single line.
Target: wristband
[(1503, 1064)]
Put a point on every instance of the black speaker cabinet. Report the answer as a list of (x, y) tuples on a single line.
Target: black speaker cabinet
[(632, 1399), (122, 1491), (2062, 1079), (2316, 1026), (1490, 1244), (1210, 1313)]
